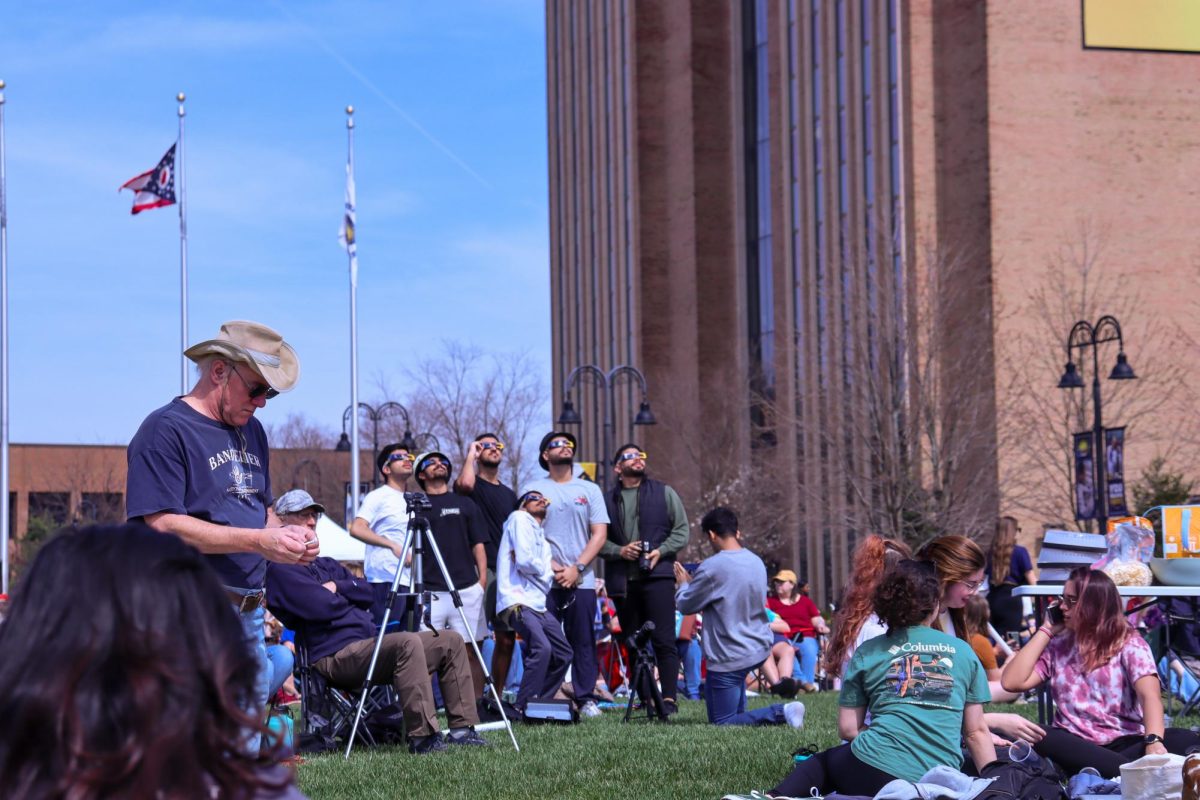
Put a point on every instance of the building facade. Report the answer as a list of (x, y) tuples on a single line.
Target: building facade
[(827, 232)]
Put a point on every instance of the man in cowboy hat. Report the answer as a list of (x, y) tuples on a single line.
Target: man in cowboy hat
[(457, 527), (199, 468)]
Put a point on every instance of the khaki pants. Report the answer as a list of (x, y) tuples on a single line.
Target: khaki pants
[(410, 658)]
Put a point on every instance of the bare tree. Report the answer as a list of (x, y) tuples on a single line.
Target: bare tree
[(297, 431), (464, 391), (1037, 420)]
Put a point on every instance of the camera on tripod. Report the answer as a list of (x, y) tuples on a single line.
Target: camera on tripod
[(641, 639), (417, 501)]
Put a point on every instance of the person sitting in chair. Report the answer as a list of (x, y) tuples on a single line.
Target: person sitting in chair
[(330, 610)]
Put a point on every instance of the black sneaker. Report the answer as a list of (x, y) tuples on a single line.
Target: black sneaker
[(787, 687), (423, 745), (670, 706), (469, 737)]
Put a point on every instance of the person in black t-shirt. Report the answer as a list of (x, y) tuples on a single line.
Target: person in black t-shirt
[(480, 480), (457, 527)]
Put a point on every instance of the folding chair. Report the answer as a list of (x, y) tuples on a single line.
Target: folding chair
[(329, 709), (1183, 643)]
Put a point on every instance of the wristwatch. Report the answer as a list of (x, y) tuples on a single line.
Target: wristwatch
[(1151, 738), (580, 567)]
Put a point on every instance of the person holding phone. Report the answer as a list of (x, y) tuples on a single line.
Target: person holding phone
[(1107, 698)]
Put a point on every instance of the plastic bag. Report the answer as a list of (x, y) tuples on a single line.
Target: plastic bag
[(1130, 546), (1153, 778)]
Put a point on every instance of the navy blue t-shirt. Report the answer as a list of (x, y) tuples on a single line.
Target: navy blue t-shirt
[(496, 502), (182, 462)]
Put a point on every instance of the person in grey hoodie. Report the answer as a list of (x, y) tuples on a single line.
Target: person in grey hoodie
[(730, 590), (524, 576)]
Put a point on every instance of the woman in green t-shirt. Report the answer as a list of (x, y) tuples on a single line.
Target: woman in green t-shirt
[(924, 689)]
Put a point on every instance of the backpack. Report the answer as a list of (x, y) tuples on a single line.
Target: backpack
[(1036, 779)]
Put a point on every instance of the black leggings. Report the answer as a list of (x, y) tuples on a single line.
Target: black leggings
[(1072, 753), (833, 770)]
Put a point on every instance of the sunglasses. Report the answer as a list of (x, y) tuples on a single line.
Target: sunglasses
[(534, 497), (401, 457), (631, 457), (560, 443), (429, 462), (491, 445), (256, 390)]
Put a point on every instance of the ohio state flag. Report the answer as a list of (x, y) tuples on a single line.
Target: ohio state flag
[(154, 188)]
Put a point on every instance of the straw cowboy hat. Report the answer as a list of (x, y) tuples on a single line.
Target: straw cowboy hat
[(256, 345)]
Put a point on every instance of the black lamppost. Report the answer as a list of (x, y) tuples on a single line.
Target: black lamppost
[(608, 382), (1082, 335), (375, 415)]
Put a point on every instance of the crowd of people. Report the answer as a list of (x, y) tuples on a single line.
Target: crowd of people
[(137, 710)]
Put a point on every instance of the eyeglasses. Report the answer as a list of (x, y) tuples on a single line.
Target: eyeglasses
[(972, 586), (308, 513), (429, 462), (1069, 600), (631, 457), (401, 457), (560, 443), (257, 390), (491, 445)]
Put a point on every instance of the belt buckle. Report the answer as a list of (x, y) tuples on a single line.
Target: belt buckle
[(250, 602)]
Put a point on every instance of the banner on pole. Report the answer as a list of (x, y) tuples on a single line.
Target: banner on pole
[(1085, 476), (154, 188), (1114, 471), (346, 235)]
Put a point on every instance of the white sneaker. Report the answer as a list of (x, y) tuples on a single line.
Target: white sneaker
[(794, 714), (590, 709)]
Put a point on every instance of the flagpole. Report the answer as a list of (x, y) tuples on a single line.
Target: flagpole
[(5, 511), (183, 274), (352, 255)]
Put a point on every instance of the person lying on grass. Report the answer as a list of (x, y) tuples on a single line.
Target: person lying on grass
[(1107, 698), (923, 688)]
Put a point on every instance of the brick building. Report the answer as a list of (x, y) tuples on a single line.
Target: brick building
[(831, 231)]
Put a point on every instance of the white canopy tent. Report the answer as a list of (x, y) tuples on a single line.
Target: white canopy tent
[(337, 543)]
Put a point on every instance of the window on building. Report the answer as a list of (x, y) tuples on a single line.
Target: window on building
[(52, 508), (102, 507)]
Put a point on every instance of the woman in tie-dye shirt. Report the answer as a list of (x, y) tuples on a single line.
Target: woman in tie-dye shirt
[(1107, 699)]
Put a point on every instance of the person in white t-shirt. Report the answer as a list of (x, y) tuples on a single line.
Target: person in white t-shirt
[(382, 524)]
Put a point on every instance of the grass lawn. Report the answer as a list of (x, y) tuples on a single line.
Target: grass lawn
[(599, 758)]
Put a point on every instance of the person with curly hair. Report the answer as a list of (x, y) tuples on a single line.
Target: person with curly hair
[(127, 673), (925, 689), (1107, 698), (856, 621)]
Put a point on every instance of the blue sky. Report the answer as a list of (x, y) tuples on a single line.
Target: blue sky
[(450, 152)]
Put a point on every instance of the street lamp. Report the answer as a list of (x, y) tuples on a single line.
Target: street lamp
[(1082, 335), (375, 415), (608, 382)]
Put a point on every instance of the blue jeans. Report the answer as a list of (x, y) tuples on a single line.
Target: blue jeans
[(807, 652), (282, 663), (689, 656), (252, 626), (725, 695)]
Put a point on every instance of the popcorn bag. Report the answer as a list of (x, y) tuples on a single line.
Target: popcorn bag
[(1130, 547), (1181, 531)]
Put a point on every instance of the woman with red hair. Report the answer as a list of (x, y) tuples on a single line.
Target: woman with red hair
[(1107, 699), (855, 621)]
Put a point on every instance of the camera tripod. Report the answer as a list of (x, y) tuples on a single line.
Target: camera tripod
[(416, 540), (641, 682)]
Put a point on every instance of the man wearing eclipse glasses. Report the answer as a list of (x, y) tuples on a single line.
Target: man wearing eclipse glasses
[(382, 523), (648, 527), (199, 468), (480, 481), (576, 525)]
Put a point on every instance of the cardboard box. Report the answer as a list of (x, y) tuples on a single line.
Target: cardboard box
[(1181, 531)]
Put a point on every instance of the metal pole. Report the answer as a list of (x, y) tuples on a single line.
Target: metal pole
[(606, 440), (1098, 453), (183, 272), (352, 253), (4, 506)]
